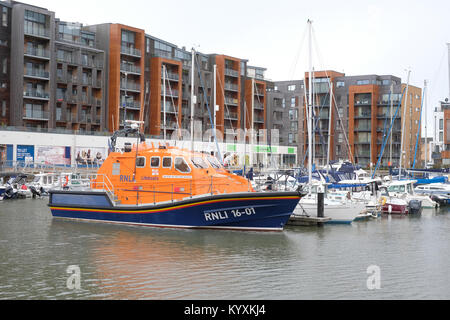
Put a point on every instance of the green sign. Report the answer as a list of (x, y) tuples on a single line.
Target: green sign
[(265, 149), (291, 150), (231, 147)]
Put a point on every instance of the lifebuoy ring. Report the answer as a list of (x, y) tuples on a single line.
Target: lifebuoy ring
[(67, 182)]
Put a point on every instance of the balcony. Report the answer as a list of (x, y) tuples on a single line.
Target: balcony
[(231, 101), (85, 100), (170, 125), (258, 120), (365, 102), (388, 103), (36, 94), (131, 105), (36, 73), (171, 76), (130, 68), (363, 129), (260, 93), (362, 154), (37, 53), (231, 73), (170, 92), (231, 116), (170, 108), (258, 106), (363, 115), (86, 81), (36, 115), (231, 87), (71, 117), (130, 86), (130, 51), (37, 32)]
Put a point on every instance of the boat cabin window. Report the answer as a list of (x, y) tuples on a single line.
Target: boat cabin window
[(214, 162), (410, 189), (396, 189), (199, 163), (181, 165), (140, 162), (154, 162), (167, 162)]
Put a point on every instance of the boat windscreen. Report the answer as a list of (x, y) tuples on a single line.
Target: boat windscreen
[(214, 162), (199, 163)]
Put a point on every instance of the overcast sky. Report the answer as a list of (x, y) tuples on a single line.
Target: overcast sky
[(352, 36)]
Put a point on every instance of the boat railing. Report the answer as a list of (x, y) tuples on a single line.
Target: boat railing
[(102, 182), (161, 192)]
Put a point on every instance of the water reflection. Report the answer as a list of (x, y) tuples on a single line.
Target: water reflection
[(125, 262)]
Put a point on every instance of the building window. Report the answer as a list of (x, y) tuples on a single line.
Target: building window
[(283, 103), (441, 124), (291, 87), (291, 138), (385, 82), (162, 49), (4, 17), (362, 82), (293, 102), (340, 84), (4, 108)]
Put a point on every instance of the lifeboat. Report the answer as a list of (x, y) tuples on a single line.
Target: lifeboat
[(165, 186)]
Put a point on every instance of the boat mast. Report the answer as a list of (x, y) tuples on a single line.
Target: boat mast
[(193, 98), (310, 106), (392, 105), (252, 123), (329, 126), (164, 100), (403, 125), (426, 133)]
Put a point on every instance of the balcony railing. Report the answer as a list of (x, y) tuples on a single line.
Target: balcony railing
[(37, 73), (231, 72), (131, 105), (35, 52), (258, 106), (231, 86), (33, 93), (232, 101), (130, 86), (170, 92), (170, 108), (231, 115), (169, 125), (35, 31), (36, 115), (171, 76), (259, 119), (125, 67), (130, 51)]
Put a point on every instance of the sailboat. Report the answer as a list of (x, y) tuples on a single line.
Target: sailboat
[(344, 211)]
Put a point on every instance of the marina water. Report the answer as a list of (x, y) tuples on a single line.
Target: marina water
[(123, 262)]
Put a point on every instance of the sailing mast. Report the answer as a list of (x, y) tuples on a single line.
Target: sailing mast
[(164, 100), (426, 133), (329, 126), (310, 106), (403, 125), (193, 98), (392, 105)]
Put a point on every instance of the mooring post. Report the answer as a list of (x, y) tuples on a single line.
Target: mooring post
[(320, 200)]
